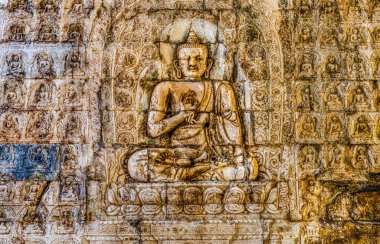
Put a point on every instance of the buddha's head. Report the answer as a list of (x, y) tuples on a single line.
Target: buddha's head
[(193, 61)]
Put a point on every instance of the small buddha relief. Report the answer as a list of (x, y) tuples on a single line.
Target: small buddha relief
[(18, 5), (71, 128), (12, 94), (43, 66), (336, 160), (42, 95), (310, 199), (74, 33), (8, 157), (355, 38), (306, 67), (334, 99), (330, 37), (10, 128), (332, 67), (69, 189), (33, 188), (17, 33), (308, 158), (47, 7), (339, 208), (375, 60), (329, 10), (360, 159), (70, 95), (306, 35), (70, 162), (76, 8), (308, 128), (200, 118), (305, 7), (359, 98), (40, 126), (6, 192), (334, 128), (15, 66), (354, 11), (356, 66), (306, 99), (361, 130), (376, 37), (73, 65), (374, 7), (47, 33)]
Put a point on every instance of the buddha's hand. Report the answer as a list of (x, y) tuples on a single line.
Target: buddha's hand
[(188, 112), (198, 119), (238, 155)]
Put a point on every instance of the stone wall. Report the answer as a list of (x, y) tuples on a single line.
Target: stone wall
[(189, 121)]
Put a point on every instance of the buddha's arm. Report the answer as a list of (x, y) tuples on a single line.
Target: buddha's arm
[(226, 109), (158, 124)]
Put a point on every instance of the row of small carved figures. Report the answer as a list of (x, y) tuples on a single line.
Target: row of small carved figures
[(42, 94), (42, 65), (194, 200), (47, 32), (45, 7), (361, 127)]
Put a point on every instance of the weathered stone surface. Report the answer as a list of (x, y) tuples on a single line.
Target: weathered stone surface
[(189, 121)]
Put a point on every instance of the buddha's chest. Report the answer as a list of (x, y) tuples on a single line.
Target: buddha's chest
[(195, 95)]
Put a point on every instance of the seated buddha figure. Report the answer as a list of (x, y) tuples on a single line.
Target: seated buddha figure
[(200, 119)]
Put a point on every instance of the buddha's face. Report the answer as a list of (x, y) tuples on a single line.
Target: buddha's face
[(193, 62)]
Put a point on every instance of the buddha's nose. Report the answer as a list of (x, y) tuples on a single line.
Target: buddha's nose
[(192, 62)]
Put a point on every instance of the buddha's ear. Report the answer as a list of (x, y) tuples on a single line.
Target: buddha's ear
[(177, 70), (210, 63)]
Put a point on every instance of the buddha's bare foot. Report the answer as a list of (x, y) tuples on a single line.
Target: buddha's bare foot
[(197, 170), (253, 167), (203, 157)]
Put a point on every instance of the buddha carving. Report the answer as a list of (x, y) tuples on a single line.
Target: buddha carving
[(334, 99), (330, 37), (355, 38), (354, 9), (334, 128), (332, 66), (47, 33), (307, 99), (308, 128), (43, 94), (305, 7), (362, 128), (360, 160), (12, 93), (359, 99), (72, 127), (15, 66), (71, 95), (44, 65), (337, 159), (305, 35), (17, 33), (74, 33), (15, 5), (200, 118), (10, 129), (40, 127), (306, 67)]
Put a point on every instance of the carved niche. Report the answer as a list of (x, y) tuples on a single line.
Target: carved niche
[(179, 120)]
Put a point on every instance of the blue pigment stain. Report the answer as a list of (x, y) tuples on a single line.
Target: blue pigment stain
[(25, 162)]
